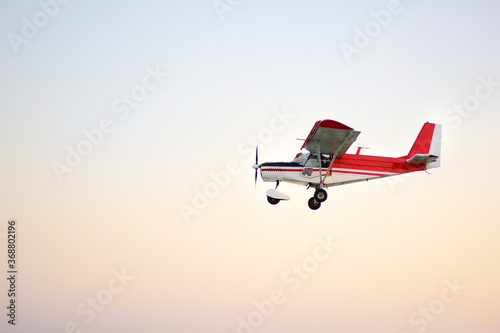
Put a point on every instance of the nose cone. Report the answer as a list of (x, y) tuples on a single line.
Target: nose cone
[(255, 166)]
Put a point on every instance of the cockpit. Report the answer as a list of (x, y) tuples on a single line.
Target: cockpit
[(312, 160)]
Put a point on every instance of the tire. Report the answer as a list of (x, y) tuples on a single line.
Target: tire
[(313, 203), (273, 201), (320, 195)]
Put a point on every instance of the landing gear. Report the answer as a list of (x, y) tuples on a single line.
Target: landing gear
[(273, 201), (274, 196), (320, 195), (314, 204)]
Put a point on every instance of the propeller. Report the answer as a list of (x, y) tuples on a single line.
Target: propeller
[(256, 165)]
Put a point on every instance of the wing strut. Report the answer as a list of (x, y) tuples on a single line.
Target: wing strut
[(320, 167), (334, 156)]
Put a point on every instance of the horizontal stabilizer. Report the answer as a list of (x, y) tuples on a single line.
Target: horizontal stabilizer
[(422, 159)]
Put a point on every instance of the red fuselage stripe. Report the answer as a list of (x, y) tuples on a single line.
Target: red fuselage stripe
[(369, 173)]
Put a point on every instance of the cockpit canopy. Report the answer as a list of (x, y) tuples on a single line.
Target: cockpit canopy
[(311, 160)]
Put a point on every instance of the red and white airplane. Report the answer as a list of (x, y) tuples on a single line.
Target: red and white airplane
[(327, 144)]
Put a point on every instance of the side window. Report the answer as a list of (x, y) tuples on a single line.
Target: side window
[(312, 161)]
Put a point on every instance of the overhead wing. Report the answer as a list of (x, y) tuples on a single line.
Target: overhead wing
[(330, 137)]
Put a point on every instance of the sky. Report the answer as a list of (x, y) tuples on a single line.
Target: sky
[(128, 131)]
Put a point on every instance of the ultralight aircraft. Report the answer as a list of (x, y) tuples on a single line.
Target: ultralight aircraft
[(326, 163)]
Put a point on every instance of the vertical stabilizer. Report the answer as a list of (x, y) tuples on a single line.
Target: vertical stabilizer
[(427, 147)]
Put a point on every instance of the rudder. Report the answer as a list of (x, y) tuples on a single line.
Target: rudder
[(427, 147)]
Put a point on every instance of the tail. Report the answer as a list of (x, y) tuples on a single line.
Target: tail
[(427, 147)]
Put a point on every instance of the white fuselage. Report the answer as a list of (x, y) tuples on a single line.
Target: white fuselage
[(305, 170)]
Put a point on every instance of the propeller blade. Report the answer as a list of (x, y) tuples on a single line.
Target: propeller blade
[(256, 163), (257, 154)]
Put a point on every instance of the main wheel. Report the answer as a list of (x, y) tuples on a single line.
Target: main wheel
[(320, 195), (273, 201), (313, 203)]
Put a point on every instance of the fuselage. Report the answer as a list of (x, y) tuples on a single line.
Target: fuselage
[(350, 168)]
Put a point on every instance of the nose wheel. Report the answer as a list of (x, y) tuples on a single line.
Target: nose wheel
[(272, 201)]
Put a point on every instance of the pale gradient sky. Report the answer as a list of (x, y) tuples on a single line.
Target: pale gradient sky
[(399, 239)]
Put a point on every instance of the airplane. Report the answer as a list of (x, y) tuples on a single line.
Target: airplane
[(327, 144)]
